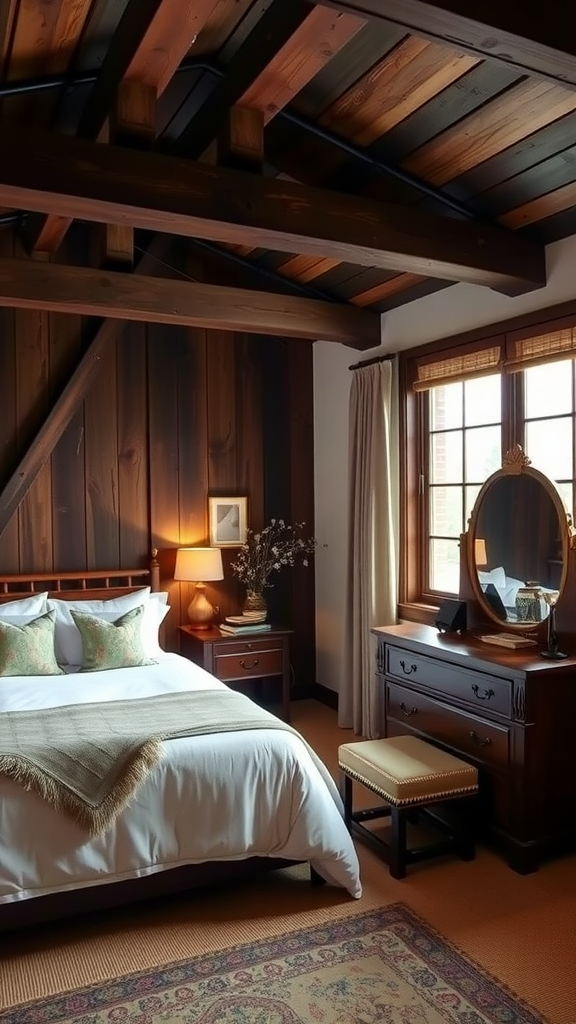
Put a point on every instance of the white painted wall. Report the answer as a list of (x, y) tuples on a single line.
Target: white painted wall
[(459, 308), (331, 394), (465, 306)]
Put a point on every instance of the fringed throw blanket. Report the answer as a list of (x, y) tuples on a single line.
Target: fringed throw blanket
[(87, 760)]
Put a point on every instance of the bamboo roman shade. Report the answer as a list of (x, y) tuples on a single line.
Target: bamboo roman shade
[(522, 351), (508, 352), (448, 367)]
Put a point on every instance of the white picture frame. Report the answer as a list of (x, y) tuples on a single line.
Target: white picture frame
[(228, 519)]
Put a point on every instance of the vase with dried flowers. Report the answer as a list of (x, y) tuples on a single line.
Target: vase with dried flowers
[(278, 545)]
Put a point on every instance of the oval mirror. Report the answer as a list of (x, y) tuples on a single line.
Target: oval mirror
[(517, 544)]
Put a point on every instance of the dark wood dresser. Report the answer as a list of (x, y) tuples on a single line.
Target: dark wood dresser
[(509, 712)]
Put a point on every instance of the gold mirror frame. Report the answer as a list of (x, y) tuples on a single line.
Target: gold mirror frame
[(516, 463)]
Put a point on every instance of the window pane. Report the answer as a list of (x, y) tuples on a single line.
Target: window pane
[(446, 458), (445, 566), (483, 453), (446, 407), (446, 511), (549, 446), (566, 491), (482, 400), (549, 389), (470, 495)]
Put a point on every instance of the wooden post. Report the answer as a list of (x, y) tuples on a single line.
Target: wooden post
[(132, 123), (240, 144)]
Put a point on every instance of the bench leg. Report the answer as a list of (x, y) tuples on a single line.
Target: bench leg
[(347, 799), (467, 831), (397, 842)]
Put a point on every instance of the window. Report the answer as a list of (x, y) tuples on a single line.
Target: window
[(465, 406), (464, 448), (549, 423)]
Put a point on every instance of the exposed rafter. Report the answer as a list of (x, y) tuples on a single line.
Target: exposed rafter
[(73, 177), (276, 25), (363, 155), (145, 49), (522, 36)]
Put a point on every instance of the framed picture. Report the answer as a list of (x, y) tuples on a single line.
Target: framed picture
[(228, 521)]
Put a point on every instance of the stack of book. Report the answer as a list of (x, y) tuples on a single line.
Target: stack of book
[(236, 628), (511, 640)]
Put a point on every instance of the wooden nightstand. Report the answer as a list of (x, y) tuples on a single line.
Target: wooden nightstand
[(234, 659)]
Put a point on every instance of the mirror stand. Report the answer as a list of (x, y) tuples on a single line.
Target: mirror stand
[(518, 558)]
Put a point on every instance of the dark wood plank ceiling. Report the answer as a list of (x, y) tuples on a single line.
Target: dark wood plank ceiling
[(451, 111)]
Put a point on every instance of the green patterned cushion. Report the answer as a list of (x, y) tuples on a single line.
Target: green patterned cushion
[(115, 644), (29, 650)]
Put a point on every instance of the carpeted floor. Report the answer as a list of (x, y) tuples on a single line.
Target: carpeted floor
[(385, 965), (519, 929)]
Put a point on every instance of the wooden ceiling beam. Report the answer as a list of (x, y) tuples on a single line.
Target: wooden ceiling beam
[(521, 36), (152, 39), (275, 27), (30, 284), (66, 176)]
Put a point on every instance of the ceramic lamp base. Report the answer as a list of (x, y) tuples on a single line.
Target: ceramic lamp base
[(200, 612)]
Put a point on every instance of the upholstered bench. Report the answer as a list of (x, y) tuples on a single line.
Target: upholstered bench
[(410, 775)]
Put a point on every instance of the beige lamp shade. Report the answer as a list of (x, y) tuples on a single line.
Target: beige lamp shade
[(199, 565)]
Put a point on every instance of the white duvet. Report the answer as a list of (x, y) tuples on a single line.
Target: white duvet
[(226, 796)]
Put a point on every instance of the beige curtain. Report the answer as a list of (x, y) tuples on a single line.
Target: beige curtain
[(371, 597)]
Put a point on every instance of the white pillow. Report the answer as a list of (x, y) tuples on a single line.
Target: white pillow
[(154, 615), (67, 639), (23, 611), (495, 576)]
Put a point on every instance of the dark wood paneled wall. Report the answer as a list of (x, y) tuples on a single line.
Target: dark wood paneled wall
[(175, 415)]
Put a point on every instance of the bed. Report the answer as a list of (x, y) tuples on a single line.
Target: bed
[(50, 865)]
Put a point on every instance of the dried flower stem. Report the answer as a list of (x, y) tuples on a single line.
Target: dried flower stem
[(277, 545)]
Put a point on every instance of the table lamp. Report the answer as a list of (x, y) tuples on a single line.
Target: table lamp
[(199, 565)]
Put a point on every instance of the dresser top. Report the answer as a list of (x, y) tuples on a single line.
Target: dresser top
[(467, 649)]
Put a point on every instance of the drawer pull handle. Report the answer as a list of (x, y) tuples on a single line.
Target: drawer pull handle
[(407, 671), (407, 711), (482, 694), (486, 742), (249, 667)]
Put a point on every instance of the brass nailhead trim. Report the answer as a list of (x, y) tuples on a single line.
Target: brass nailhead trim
[(412, 800)]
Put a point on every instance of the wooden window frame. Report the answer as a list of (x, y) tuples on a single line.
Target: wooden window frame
[(415, 603)]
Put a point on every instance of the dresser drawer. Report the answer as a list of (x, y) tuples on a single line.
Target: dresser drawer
[(250, 664), (472, 736), (488, 693)]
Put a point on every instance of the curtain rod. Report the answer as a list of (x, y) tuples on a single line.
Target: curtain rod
[(376, 359)]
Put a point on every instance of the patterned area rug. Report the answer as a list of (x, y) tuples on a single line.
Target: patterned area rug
[(383, 966)]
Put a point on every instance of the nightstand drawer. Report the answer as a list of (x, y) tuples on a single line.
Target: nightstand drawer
[(247, 645), (250, 664)]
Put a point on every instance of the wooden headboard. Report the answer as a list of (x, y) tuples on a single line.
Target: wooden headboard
[(97, 584)]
